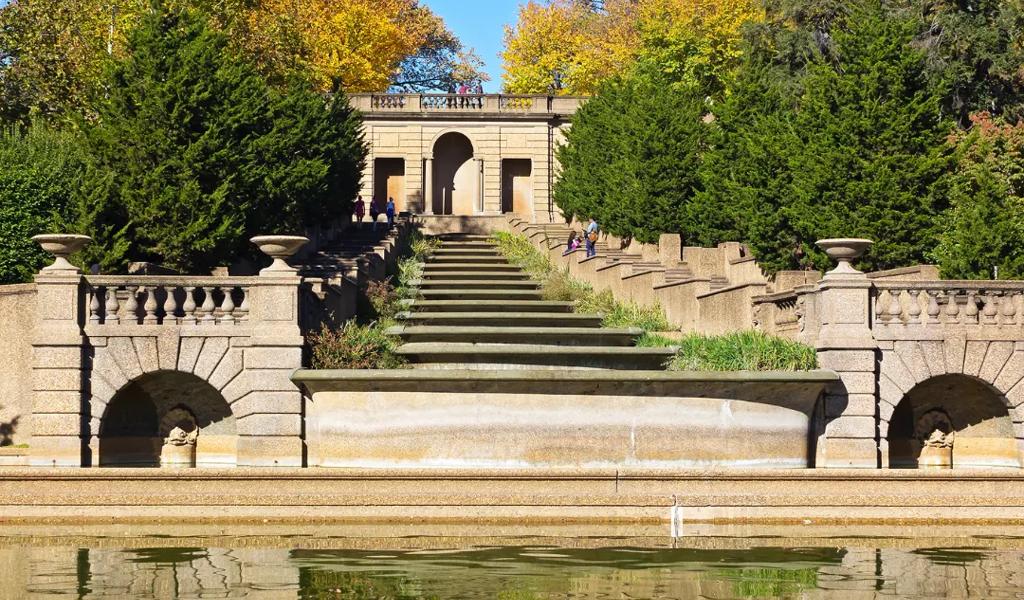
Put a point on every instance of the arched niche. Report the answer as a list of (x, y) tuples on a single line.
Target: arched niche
[(142, 418), (953, 419)]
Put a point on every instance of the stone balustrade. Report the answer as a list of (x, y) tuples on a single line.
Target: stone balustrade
[(466, 103), (168, 300), (957, 303)]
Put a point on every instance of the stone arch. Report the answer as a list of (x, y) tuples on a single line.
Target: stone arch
[(136, 422), (952, 418), (456, 183)]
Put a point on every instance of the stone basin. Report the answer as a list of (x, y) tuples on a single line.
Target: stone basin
[(552, 419)]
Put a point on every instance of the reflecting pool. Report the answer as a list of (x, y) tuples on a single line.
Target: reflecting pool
[(413, 568)]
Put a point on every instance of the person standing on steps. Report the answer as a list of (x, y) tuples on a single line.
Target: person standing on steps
[(591, 233), (360, 211), (374, 211), (389, 210)]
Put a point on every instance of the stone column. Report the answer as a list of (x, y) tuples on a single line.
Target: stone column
[(849, 426), (480, 206), (59, 388), (269, 416), (428, 185)]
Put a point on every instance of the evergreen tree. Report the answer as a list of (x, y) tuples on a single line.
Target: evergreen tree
[(631, 156), (858, 154), (192, 152)]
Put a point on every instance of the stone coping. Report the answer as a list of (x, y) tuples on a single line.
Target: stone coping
[(17, 288), (10, 474), (732, 288), (797, 391)]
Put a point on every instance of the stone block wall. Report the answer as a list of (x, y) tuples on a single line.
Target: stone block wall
[(17, 327)]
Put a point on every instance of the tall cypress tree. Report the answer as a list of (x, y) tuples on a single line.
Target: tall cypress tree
[(632, 155), (192, 152)]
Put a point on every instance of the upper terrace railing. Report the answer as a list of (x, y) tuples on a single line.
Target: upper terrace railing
[(496, 104), (168, 300)]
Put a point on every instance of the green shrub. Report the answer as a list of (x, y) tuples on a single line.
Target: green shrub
[(39, 168), (355, 346), (422, 246), (383, 299), (742, 351)]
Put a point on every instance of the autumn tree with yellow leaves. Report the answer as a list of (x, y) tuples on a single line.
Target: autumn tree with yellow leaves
[(571, 46), (53, 52)]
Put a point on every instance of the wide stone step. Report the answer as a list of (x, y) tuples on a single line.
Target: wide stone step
[(464, 237), (555, 336), (457, 306), (466, 259), (473, 284), (478, 245), (533, 356), (487, 267), (501, 319), (460, 294), (434, 274)]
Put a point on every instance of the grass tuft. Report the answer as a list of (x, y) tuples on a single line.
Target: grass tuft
[(356, 346), (742, 351)]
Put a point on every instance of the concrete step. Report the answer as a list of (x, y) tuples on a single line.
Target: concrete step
[(553, 336), (456, 306), (500, 319), (477, 245), (457, 294), (476, 284), (464, 237), (533, 356), (491, 267), (433, 274), (435, 259)]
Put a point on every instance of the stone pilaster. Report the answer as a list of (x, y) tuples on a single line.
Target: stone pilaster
[(270, 431), (848, 436), (58, 380)]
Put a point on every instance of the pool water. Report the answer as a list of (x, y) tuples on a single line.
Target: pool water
[(416, 568)]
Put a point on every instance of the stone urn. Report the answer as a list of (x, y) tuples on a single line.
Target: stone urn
[(844, 251), (61, 245), (279, 247)]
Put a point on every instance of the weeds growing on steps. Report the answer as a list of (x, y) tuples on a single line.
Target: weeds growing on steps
[(365, 343), (557, 284), (741, 351)]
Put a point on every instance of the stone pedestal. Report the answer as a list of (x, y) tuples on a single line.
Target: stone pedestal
[(58, 382)]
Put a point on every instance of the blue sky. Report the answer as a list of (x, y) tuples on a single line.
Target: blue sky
[(480, 25)]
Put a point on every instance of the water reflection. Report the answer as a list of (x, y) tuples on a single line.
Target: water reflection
[(36, 569)]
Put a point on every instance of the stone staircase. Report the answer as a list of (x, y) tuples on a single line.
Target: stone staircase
[(474, 310)]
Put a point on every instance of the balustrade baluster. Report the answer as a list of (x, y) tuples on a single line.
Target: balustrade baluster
[(170, 306), (991, 309), (150, 306), (914, 310), (131, 307), (971, 308), (208, 306), (882, 301), (933, 307), (94, 305), (189, 306), (227, 308), (1008, 307), (895, 308), (243, 308), (952, 308), (110, 315)]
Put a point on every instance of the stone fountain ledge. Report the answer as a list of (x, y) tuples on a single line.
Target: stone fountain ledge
[(542, 419)]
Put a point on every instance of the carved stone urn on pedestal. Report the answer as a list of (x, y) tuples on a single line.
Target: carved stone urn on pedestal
[(61, 245), (279, 247)]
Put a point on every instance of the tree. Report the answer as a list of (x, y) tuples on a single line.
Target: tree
[(857, 150), (984, 228), (192, 152), (632, 155), (357, 45), (570, 46), (38, 171)]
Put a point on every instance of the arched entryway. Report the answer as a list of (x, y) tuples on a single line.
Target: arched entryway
[(456, 181), (952, 421), (167, 418)]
